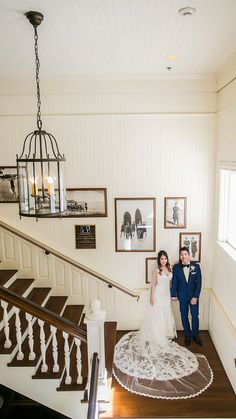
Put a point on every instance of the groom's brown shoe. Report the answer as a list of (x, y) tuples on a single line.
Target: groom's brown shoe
[(187, 340)]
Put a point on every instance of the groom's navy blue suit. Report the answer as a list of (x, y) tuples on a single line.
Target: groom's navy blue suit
[(185, 291)]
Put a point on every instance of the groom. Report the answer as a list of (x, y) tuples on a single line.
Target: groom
[(186, 286)]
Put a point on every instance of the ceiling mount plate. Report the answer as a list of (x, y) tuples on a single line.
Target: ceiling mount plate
[(35, 18)]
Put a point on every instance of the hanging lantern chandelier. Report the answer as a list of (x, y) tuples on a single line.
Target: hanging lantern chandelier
[(41, 166)]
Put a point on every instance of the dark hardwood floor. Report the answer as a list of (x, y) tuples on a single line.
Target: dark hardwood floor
[(17, 406), (218, 401)]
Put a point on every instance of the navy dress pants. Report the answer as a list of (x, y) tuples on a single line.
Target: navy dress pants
[(185, 305)]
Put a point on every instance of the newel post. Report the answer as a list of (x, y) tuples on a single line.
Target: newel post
[(95, 319)]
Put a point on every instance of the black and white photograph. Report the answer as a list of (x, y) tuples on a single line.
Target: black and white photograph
[(151, 265), (175, 212), (85, 202), (193, 242), (135, 224), (8, 184)]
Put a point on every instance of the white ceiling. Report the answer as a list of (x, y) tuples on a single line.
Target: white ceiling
[(119, 38)]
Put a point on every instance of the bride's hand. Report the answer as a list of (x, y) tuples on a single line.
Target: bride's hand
[(151, 301)]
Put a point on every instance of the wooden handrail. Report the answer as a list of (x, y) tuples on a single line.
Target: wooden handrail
[(43, 314), (70, 261), (93, 388)]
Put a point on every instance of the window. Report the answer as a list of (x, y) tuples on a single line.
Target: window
[(227, 207)]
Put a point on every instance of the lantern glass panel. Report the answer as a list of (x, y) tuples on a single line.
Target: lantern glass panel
[(41, 193)]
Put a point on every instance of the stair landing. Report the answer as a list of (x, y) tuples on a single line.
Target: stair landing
[(218, 401)]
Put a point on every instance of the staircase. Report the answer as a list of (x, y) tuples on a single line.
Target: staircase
[(43, 345)]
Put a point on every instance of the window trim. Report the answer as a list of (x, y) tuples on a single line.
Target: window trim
[(224, 183)]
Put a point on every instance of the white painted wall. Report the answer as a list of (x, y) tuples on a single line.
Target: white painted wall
[(222, 319), (154, 138), (135, 138)]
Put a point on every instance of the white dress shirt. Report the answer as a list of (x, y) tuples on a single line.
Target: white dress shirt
[(186, 272)]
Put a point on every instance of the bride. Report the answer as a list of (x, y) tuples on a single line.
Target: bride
[(148, 362)]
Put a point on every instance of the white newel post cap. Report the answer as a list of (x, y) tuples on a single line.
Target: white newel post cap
[(95, 313)]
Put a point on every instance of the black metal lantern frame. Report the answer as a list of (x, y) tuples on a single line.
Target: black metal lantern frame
[(41, 166)]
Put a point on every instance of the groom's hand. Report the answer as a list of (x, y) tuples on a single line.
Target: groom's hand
[(193, 301), (174, 298)]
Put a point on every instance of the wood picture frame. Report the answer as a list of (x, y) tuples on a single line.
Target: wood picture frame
[(150, 266), (175, 212), (135, 224), (86, 202), (193, 242), (8, 184)]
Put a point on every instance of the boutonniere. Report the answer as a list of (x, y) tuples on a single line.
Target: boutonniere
[(192, 268)]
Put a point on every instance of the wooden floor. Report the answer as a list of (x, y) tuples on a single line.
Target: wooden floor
[(218, 401)]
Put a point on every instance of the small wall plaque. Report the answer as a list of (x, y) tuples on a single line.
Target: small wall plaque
[(85, 237)]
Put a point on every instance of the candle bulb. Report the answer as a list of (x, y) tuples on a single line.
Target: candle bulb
[(51, 193), (34, 187), (50, 186)]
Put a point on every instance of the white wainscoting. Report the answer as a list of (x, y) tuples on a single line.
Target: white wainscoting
[(223, 334), (81, 288)]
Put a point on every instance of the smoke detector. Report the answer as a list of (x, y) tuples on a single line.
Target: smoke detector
[(187, 11)]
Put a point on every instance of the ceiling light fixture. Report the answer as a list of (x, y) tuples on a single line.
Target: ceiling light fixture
[(187, 11), (41, 166), (171, 57)]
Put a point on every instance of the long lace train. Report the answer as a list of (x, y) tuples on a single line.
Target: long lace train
[(160, 370)]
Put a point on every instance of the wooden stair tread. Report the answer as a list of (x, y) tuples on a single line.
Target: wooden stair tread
[(54, 304), (20, 285), (72, 313), (110, 341), (38, 295), (5, 275)]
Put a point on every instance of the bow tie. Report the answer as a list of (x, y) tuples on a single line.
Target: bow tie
[(186, 266)]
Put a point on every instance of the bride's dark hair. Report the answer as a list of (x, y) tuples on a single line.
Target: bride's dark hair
[(160, 254)]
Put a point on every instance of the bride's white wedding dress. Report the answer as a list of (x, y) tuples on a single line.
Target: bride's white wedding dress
[(149, 363)]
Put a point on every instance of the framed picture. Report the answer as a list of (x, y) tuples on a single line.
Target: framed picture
[(175, 212), (85, 202), (151, 264), (193, 242), (8, 184), (135, 224), (85, 237)]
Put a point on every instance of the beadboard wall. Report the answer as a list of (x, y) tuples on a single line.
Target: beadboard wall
[(137, 139), (222, 319)]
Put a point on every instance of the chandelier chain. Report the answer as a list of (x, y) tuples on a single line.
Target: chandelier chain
[(37, 62)]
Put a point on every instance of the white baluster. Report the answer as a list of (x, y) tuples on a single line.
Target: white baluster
[(67, 358), (20, 354), (4, 305), (78, 361), (29, 318), (54, 349), (44, 367)]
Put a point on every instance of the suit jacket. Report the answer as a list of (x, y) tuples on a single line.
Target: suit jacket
[(186, 290)]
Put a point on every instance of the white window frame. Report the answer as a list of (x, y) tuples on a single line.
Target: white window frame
[(224, 185)]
